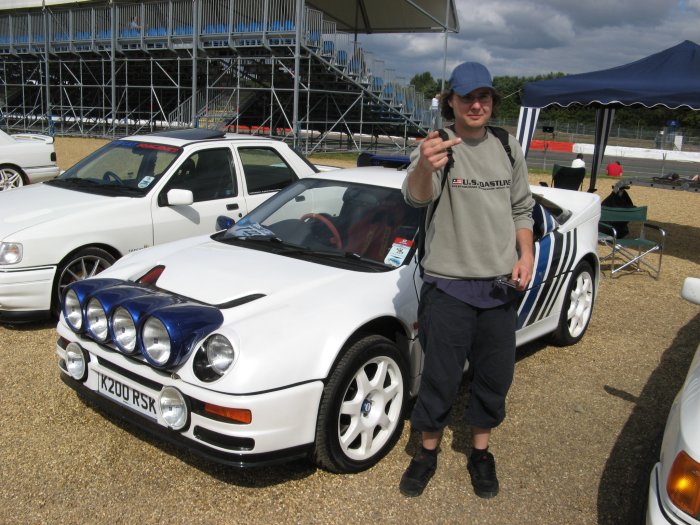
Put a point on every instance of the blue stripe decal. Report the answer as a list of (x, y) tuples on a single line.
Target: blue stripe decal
[(544, 248)]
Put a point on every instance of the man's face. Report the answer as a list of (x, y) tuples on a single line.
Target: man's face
[(473, 109)]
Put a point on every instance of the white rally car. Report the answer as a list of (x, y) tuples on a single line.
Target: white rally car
[(132, 193), (26, 158), (294, 332), (674, 484)]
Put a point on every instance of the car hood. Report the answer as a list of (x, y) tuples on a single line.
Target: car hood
[(35, 204), (235, 273)]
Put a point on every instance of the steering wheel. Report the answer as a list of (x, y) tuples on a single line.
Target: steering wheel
[(335, 235), (111, 175)]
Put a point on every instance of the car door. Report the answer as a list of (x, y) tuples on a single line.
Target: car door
[(265, 172), (211, 177)]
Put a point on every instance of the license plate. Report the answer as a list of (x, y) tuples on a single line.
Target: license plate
[(127, 396)]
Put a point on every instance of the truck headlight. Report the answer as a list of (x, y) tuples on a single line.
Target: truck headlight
[(10, 252)]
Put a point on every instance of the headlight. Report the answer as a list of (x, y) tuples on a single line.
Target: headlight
[(173, 407), (683, 485), (72, 311), (10, 252), (219, 352), (76, 362), (214, 358), (96, 318), (156, 341), (124, 330)]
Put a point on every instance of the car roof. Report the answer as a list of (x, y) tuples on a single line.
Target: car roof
[(374, 175), (183, 137)]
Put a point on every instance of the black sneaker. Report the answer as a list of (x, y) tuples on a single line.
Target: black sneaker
[(418, 473), (483, 473)]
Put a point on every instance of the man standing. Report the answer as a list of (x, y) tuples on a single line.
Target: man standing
[(478, 258)]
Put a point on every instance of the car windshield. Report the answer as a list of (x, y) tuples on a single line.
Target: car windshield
[(335, 222), (122, 167)]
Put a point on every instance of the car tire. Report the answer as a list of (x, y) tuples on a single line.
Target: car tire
[(79, 265), (577, 307), (362, 408), (11, 177)]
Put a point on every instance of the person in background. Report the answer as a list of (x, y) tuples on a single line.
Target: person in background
[(578, 162), (614, 169), (134, 24), (478, 259), (435, 112)]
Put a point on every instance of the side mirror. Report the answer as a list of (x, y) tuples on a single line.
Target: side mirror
[(176, 197), (224, 223)]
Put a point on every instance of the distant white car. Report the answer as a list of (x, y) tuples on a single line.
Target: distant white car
[(294, 333), (674, 486), (132, 193), (26, 158)]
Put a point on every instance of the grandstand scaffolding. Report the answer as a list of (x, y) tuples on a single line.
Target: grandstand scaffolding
[(115, 68)]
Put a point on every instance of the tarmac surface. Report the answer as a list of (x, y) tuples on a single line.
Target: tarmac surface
[(582, 433)]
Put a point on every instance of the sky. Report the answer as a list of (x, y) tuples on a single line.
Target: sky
[(533, 37)]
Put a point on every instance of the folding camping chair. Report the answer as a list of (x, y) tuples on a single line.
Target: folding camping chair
[(630, 252), (567, 178)]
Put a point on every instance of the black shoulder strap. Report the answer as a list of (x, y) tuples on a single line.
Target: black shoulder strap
[(425, 216), (502, 135)]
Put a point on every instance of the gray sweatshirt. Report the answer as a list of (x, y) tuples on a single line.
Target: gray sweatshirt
[(485, 200)]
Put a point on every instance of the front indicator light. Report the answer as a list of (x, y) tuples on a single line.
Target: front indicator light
[(237, 415), (76, 362), (683, 485), (173, 407)]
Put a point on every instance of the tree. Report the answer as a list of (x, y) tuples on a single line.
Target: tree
[(426, 84)]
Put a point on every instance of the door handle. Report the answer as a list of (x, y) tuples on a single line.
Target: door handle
[(232, 206)]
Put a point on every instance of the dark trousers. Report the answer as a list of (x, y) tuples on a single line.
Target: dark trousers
[(452, 332)]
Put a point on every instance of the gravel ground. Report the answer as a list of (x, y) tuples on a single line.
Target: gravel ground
[(582, 433)]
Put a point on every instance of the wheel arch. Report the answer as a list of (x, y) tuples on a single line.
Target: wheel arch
[(17, 167), (106, 247), (386, 326)]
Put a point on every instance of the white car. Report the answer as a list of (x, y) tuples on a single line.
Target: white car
[(130, 194), (674, 485), (294, 333), (26, 158)]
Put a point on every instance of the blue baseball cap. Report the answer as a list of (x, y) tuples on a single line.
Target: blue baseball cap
[(469, 76)]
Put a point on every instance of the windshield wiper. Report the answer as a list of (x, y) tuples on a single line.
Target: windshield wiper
[(74, 181)]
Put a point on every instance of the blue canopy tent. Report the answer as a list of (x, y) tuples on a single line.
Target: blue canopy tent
[(669, 78)]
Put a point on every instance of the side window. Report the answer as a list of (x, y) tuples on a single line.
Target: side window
[(208, 174), (265, 170)]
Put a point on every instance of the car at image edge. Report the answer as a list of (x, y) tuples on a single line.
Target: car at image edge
[(130, 194), (26, 158), (294, 332), (674, 484)]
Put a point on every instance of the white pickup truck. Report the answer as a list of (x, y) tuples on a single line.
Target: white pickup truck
[(132, 193)]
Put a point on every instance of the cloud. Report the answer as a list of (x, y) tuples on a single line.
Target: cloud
[(528, 37)]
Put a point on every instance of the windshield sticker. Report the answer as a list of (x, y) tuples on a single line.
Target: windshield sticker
[(145, 182), (251, 229), (399, 251)]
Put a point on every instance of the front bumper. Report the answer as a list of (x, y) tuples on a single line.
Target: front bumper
[(283, 421), (25, 291)]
